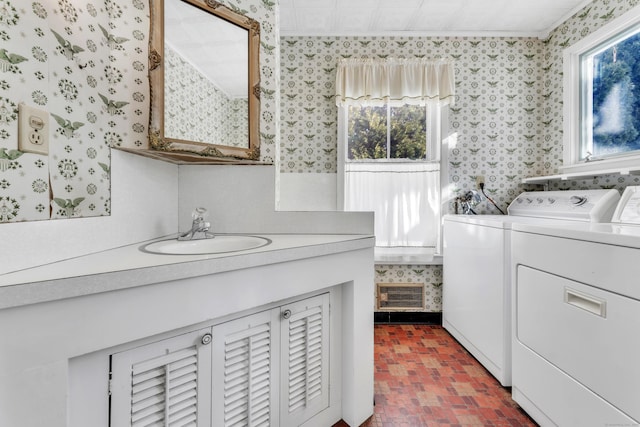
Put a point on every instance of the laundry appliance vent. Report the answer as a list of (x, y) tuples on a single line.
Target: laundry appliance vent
[(400, 296)]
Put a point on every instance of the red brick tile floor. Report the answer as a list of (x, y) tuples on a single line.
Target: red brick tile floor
[(425, 378)]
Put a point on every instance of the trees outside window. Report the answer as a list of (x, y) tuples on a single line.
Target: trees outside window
[(601, 98), (387, 132), (613, 79)]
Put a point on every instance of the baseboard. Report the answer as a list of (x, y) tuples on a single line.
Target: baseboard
[(408, 317)]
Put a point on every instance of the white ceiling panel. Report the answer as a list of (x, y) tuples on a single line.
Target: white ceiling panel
[(315, 19), (357, 21), (447, 17), (216, 48), (390, 19)]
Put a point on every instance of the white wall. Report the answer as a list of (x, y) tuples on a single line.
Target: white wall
[(307, 192), (237, 197), (140, 212), (160, 203), (249, 192)]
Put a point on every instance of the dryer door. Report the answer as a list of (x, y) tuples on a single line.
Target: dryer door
[(586, 332)]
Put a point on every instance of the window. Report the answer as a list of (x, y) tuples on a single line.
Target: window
[(389, 133), (610, 94), (391, 167), (602, 97)]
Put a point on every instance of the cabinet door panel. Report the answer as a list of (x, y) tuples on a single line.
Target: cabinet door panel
[(166, 383), (305, 359), (244, 390)]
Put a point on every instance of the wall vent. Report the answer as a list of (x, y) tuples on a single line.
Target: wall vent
[(400, 296)]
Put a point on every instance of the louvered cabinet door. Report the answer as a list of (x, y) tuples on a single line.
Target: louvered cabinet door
[(305, 359), (245, 390), (166, 383)]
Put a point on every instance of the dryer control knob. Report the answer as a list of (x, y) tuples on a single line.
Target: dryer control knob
[(578, 200)]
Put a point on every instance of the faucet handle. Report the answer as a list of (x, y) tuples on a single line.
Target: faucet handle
[(199, 213)]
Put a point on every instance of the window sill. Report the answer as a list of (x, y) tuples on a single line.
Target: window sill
[(588, 170), (406, 256)]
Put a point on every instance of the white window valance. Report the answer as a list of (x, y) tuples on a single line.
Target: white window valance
[(410, 81)]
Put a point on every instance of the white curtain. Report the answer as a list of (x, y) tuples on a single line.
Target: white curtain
[(404, 197), (411, 81)]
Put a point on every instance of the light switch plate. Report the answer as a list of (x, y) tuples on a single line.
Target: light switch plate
[(33, 130)]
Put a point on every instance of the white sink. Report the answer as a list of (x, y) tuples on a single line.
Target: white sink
[(221, 243)]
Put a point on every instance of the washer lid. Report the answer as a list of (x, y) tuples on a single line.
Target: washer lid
[(500, 221), (578, 205)]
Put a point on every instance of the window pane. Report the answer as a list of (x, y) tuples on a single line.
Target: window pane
[(408, 132), (367, 133), (615, 112), (373, 135)]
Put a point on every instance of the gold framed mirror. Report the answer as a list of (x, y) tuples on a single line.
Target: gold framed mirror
[(205, 83)]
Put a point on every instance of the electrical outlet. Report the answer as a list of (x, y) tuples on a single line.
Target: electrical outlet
[(479, 181), (33, 130)]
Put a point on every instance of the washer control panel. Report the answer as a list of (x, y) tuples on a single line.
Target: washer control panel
[(628, 210), (579, 205)]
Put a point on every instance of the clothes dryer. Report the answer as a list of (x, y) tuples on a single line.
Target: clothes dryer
[(576, 316), (476, 302)]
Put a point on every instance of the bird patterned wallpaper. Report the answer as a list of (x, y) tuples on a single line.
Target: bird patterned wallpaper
[(81, 63), (218, 118), (429, 276), (85, 63), (507, 119), (497, 116)]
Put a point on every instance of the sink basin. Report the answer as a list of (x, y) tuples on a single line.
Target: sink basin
[(222, 243)]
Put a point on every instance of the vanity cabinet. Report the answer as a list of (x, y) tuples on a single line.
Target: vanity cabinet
[(148, 320), (266, 368), (245, 363), (162, 383), (305, 360)]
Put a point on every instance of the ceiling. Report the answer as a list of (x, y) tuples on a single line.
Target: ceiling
[(213, 46), (525, 18)]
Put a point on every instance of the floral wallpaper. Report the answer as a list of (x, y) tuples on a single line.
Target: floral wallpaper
[(85, 63), (218, 118), (265, 12), (497, 117), (496, 120), (81, 63), (429, 276), (507, 119)]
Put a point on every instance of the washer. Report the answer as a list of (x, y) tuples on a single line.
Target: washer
[(476, 302), (576, 317)]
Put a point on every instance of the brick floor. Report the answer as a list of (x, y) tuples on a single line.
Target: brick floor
[(424, 378)]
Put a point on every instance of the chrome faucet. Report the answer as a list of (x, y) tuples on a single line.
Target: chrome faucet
[(199, 227)]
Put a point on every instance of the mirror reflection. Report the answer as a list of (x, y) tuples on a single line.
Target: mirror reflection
[(205, 79), (204, 74)]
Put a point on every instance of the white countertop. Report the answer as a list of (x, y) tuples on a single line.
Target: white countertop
[(128, 266)]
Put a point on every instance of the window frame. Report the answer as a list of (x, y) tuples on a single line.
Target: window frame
[(437, 136), (432, 117), (573, 109)]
